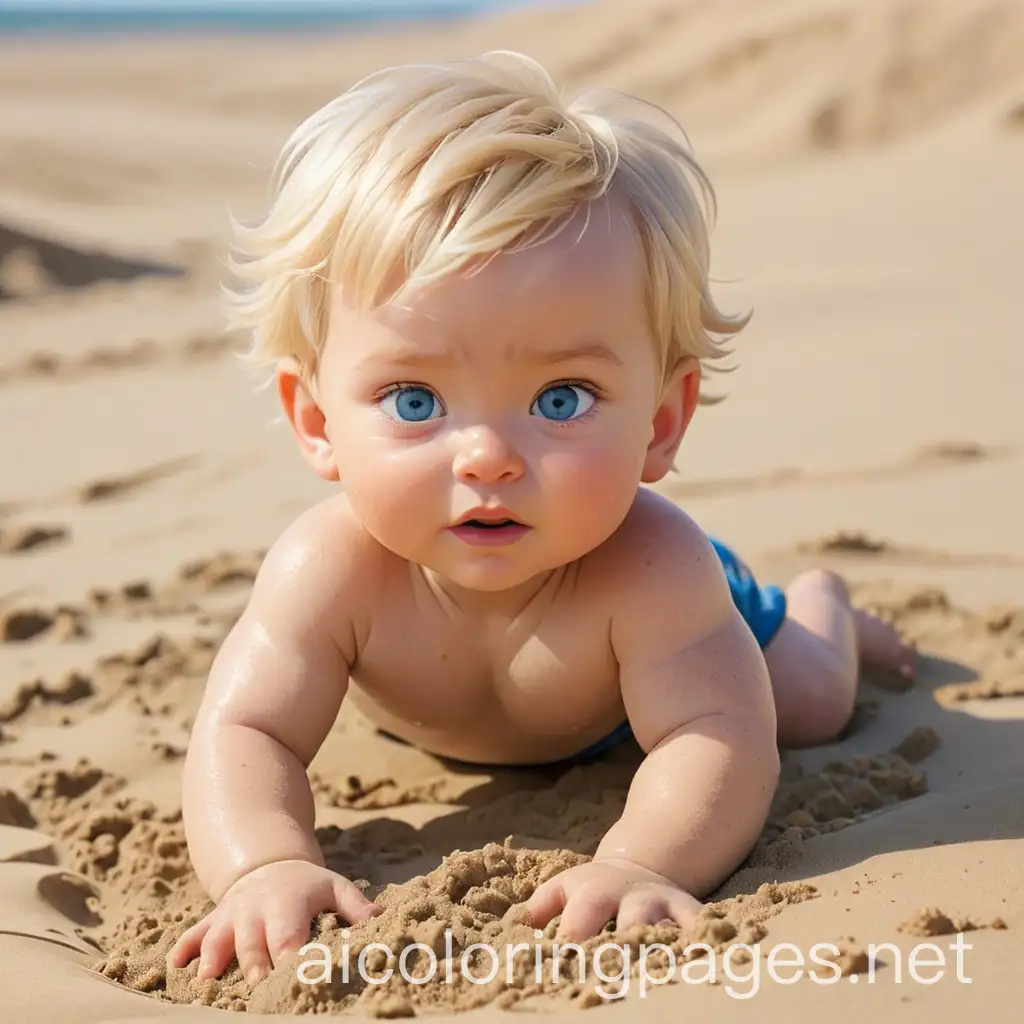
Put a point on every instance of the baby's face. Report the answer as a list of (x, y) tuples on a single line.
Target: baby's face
[(525, 392)]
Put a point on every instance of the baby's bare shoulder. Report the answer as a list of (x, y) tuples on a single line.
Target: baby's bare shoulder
[(674, 620), (663, 567), (656, 540), (284, 666), (327, 534), (320, 573)]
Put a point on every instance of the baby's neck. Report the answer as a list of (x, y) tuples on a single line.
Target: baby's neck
[(508, 605)]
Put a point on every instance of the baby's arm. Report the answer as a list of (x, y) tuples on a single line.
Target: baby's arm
[(273, 693), (699, 700), (698, 696)]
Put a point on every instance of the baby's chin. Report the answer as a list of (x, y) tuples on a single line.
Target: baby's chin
[(493, 573), (490, 578)]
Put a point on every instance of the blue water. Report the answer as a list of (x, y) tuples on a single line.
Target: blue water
[(107, 16)]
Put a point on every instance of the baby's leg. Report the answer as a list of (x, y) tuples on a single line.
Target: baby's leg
[(814, 659)]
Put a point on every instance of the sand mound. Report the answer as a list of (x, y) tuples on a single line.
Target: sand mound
[(430, 925), (32, 266), (776, 78)]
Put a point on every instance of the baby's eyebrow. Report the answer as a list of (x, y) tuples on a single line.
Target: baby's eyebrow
[(414, 357), (585, 350)]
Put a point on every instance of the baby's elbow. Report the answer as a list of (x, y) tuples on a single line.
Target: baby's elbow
[(753, 762)]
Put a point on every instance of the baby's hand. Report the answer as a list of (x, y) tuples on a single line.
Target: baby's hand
[(266, 914), (589, 895)]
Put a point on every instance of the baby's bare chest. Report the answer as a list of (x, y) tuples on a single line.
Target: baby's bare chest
[(552, 672)]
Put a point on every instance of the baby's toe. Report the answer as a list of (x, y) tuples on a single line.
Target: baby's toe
[(880, 645)]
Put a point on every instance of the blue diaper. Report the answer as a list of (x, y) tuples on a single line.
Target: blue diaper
[(763, 609)]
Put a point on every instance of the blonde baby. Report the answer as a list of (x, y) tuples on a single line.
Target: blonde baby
[(487, 310)]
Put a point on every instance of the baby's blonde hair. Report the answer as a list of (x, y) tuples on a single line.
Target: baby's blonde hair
[(418, 170)]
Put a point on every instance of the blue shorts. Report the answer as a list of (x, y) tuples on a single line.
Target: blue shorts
[(763, 609)]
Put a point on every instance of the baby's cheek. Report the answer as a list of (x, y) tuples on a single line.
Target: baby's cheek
[(598, 484), (397, 496)]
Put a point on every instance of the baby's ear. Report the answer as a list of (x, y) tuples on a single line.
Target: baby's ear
[(679, 402), (307, 420)]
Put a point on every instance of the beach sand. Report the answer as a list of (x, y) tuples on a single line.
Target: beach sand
[(865, 155)]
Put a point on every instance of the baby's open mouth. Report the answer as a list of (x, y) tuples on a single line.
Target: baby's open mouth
[(496, 529)]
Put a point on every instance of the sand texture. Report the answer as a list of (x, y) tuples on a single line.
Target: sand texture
[(868, 158)]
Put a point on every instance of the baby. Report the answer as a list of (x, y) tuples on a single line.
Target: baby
[(489, 317)]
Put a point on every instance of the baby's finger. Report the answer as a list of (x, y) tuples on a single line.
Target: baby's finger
[(641, 908), (683, 909), (218, 950), (352, 904), (251, 949), (586, 913), (547, 902), (189, 943), (288, 928)]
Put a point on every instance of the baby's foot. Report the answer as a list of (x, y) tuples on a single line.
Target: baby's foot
[(881, 646)]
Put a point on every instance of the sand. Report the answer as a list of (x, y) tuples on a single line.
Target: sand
[(868, 158)]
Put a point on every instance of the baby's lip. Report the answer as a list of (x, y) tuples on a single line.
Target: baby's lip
[(489, 515)]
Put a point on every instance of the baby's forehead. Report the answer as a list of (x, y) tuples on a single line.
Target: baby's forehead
[(501, 343), (584, 282), (520, 293)]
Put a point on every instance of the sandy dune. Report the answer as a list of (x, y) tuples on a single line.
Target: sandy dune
[(868, 158)]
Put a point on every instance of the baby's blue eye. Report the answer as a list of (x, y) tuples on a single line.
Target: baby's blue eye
[(410, 405), (563, 402)]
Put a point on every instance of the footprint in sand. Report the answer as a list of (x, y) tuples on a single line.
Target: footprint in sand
[(68, 622), (226, 568), (14, 811), (118, 486), (856, 544), (928, 459), (18, 539), (70, 895), (70, 688), (143, 352), (19, 625)]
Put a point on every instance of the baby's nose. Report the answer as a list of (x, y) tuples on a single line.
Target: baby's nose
[(484, 456)]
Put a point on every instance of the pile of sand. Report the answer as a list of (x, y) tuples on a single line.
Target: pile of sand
[(132, 851)]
